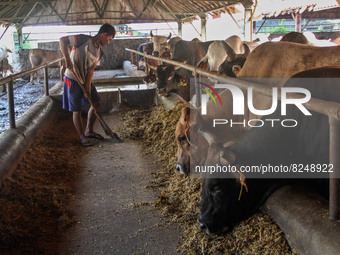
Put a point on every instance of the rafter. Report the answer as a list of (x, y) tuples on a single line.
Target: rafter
[(166, 6), (132, 8), (104, 5), (53, 9), (29, 13), (146, 7), (68, 9), (96, 6)]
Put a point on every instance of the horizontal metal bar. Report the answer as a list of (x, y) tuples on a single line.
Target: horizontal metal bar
[(330, 109), (18, 75)]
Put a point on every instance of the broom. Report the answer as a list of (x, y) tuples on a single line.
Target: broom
[(106, 128)]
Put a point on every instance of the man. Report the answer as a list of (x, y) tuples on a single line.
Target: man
[(85, 55)]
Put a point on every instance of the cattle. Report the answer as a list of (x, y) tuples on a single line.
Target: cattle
[(296, 37), (189, 53), (173, 41), (305, 143), (277, 60), (182, 134), (316, 42), (39, 56), (220, 51), (234, 63), (141, 48), (168, 81), (5, 67), (158, 42)]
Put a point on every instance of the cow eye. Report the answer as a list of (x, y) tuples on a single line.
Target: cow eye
[(182, 139), (215, 192)]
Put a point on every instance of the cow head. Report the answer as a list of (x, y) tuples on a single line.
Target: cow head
[(159, 43), (164, 74), (182, 135), (223, 202), (234, 62), (148, 49)]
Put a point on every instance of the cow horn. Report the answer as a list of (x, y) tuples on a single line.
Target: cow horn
[(230, 52), (207, 136), (246, 49), (169, 36), (151, 33)]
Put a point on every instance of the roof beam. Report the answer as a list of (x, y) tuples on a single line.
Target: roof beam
[(68, 9), (24, 2), (29, 13), (133, 9), (53, 9), (146, 7), (96, 7), (104, 5), (167, 7)]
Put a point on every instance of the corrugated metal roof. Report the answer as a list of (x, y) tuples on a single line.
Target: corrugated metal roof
[(274, 8), (91, 12)]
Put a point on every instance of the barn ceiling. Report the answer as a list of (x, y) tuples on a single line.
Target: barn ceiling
[(94, 12)]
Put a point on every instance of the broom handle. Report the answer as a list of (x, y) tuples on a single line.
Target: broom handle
[(106, 128), (91, 103), (83, 89)]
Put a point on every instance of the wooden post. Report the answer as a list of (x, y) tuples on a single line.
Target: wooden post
[(203, 27), (297, 19), (179, 23), (20, 37), (248, 22), (334, 181), (47, 93), (10, 98)]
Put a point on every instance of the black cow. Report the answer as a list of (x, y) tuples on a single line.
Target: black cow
[(306, 143)]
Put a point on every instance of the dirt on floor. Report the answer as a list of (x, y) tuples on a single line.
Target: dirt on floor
[(67, 199)]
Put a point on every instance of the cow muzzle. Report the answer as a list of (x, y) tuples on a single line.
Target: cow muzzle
[(181, 169), (203, 227)]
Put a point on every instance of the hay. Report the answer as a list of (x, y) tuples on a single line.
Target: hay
[(33, 200), (180, 196)]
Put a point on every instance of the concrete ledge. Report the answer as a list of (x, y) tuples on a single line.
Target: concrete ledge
[(144, 97), (303, 216), (15, 142)]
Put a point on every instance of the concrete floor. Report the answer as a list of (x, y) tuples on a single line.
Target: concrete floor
[(115, 212)]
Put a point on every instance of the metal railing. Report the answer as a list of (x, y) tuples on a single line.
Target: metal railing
[(331, 109), (10, 82)]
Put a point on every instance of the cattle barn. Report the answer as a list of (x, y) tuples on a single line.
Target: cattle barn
[(226, 146)]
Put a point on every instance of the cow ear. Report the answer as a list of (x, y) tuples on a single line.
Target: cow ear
[(236, 69), (186, 116), (227, 157), (230, 52), (246, 49)]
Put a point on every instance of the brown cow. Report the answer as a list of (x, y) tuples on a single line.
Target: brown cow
[(158, 42), (5, 67), (38, 57)]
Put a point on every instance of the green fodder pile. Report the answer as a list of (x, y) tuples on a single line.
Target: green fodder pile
[(180, 195), (33, 200)]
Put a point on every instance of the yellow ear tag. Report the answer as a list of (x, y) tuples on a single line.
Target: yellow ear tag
[(243, 183)]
